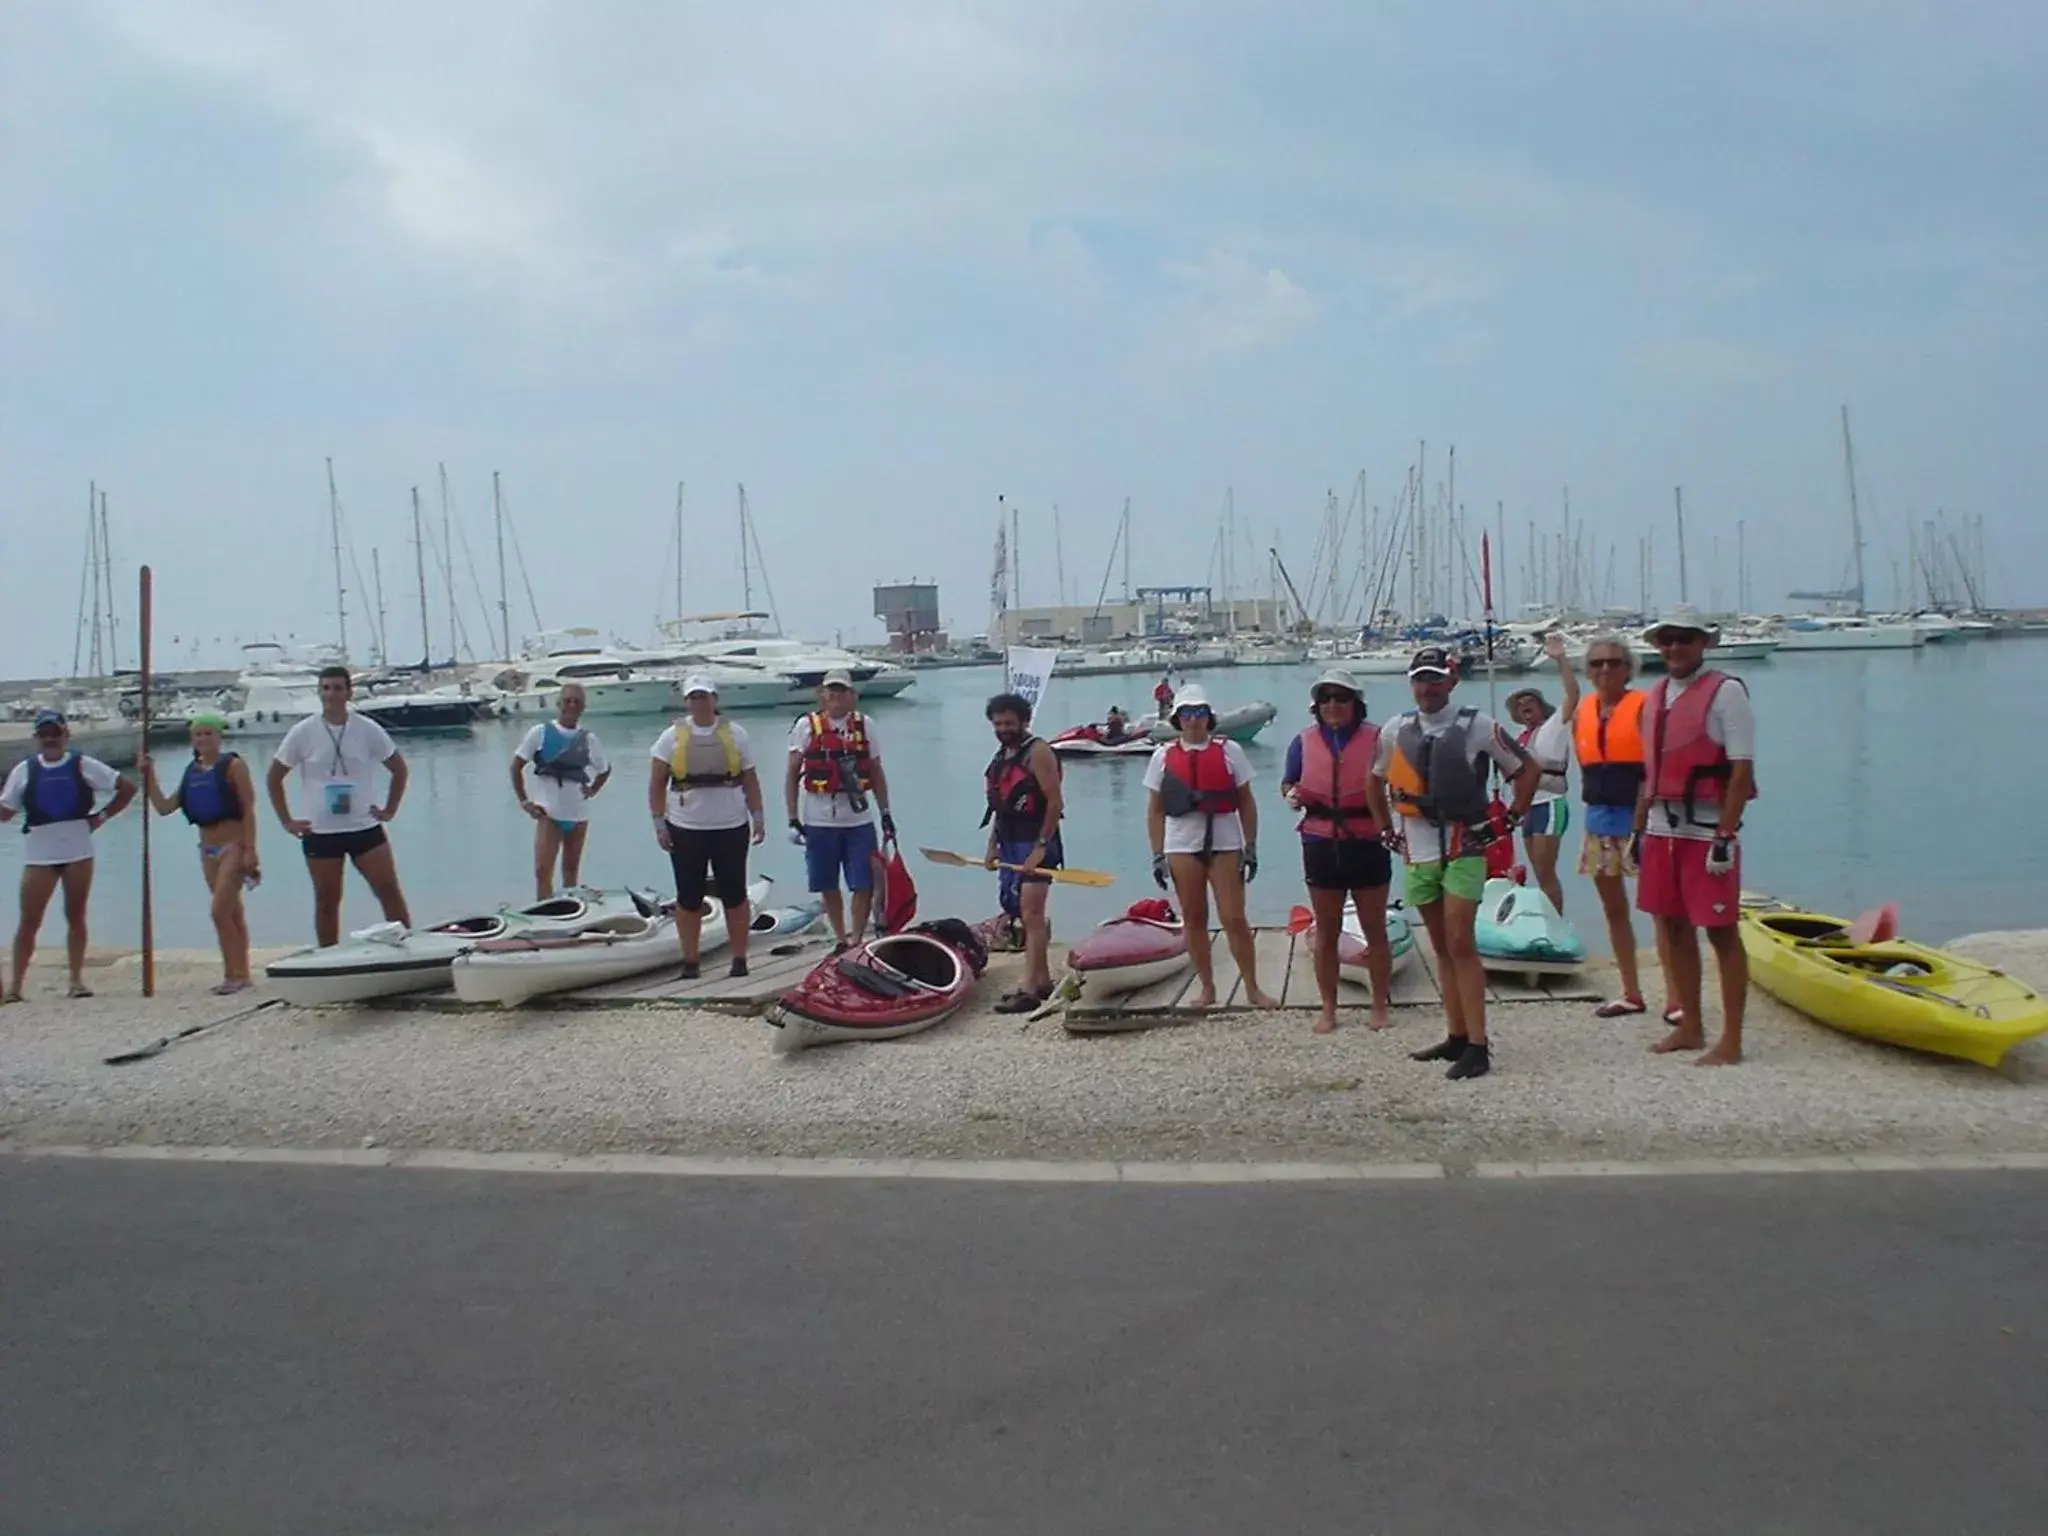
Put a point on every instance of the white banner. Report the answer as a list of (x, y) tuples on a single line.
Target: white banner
[(1028, 673)]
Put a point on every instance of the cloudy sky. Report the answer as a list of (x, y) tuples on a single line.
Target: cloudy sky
[(883, 262)]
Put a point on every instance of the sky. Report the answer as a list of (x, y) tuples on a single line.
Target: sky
[(884, 263)]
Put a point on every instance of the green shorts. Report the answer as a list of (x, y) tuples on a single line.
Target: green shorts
[(1463, 878)]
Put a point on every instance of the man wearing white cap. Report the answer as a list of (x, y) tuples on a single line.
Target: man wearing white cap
[(705, 797), (569, 767), (1699, 738), (835, 765)]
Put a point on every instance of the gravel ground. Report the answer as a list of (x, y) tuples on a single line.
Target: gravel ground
[(1232, 1086)]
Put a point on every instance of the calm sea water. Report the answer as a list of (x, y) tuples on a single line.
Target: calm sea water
[(1880, 776)]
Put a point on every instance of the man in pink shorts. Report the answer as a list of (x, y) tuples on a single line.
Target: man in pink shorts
[(1699, 745)]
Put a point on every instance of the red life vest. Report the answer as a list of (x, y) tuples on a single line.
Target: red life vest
[(1684, 763), (1016, 800), (1333, 784), (836, 759), (1198, 783)]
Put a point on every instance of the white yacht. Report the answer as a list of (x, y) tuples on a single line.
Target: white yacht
[(1848, 632), (531, 685), (803, 666), (740, 685)]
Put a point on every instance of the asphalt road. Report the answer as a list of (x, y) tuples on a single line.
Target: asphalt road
[(189, 1348)]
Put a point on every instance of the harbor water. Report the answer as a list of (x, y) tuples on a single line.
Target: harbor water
[(1878, 775)]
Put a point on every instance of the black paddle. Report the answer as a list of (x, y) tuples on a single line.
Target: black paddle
[(157, 1048)]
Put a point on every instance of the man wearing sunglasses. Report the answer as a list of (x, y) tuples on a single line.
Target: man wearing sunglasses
[(1699, 737)]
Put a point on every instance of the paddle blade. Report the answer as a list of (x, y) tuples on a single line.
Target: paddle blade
[(958, 861), (1876, 926), (1300, 920), (1091, 877)]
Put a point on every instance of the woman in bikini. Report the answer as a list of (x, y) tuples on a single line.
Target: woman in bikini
[(218, 797)]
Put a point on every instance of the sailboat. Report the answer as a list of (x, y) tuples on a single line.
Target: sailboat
[(1854, 630)]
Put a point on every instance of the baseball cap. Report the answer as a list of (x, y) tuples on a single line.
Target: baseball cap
[(45, 717), (1433, 658), (699, 683), (838, 677)]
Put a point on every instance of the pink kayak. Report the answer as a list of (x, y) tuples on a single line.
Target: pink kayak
[(1145, 945)]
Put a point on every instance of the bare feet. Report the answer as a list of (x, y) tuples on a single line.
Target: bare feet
[(1381, 1019), (1202, 997), (1326, 1023), (1722, 1055), (1680, 1039), (1259, 999)]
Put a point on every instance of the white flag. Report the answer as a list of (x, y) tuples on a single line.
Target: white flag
[(1029, 673)]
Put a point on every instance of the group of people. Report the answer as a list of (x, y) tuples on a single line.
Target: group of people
[(1665, 774)]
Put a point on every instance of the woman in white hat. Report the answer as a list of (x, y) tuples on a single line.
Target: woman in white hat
[(705, 796), (569, 768), (1204, 828)]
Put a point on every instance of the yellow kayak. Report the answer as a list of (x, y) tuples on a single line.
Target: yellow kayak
[(1894, 990)]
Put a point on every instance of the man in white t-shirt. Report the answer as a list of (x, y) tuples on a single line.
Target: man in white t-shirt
[(336, 755), (1203, 823), (569, 767), (705, 797), (54, 790), (835, 765)]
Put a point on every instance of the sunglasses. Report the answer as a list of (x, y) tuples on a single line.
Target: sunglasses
[(1598, 663), (1332, 696), (1665, 638)]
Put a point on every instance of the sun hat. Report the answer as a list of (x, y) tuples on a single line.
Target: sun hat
[(1336, 677), (1433, 658), (699, 683), (210, 719), (1689, 623), (838, 677), (1191, 696)]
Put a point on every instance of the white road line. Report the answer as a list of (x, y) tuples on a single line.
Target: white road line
[(1028, 1171)]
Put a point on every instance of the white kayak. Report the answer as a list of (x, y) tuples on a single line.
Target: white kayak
[(514, 970), (1351, 949), (775, 921), (1519, 930), (389, 960)]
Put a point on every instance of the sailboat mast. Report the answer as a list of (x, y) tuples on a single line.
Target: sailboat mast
[(504, 607), (1855, 510), (334, 534), (679, 549), (1678, 501), (1016, 558), (448, 563), (419, 570), (746, 565), (92, 559), (1059, 555), (113, 608), (377, 585), (1127, 548)]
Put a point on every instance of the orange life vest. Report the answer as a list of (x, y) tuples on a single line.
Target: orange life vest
[(1610, 749)]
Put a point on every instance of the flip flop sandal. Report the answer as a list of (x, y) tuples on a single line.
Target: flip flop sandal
[(1019, 1002), (79, 989), (1674, 1016), (230, 988), (1620, 1008)]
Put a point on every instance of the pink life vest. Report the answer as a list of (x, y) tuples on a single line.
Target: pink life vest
[(1684, 763), (1333, 784)]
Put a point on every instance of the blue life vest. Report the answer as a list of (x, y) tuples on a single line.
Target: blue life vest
[(55, 792), (563, 756), (207, 795)]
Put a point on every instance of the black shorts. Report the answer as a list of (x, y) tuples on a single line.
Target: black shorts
[(1345, 863), (723, 851), (343, 845)]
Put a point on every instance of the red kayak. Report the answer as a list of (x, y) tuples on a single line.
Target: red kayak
[(888, 987), (1089, 741), (1145, 945)]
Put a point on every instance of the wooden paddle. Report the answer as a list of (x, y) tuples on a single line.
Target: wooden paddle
[(146, 622), (1063, 876)]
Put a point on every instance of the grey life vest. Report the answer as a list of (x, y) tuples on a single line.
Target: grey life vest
[(1452, 788)]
